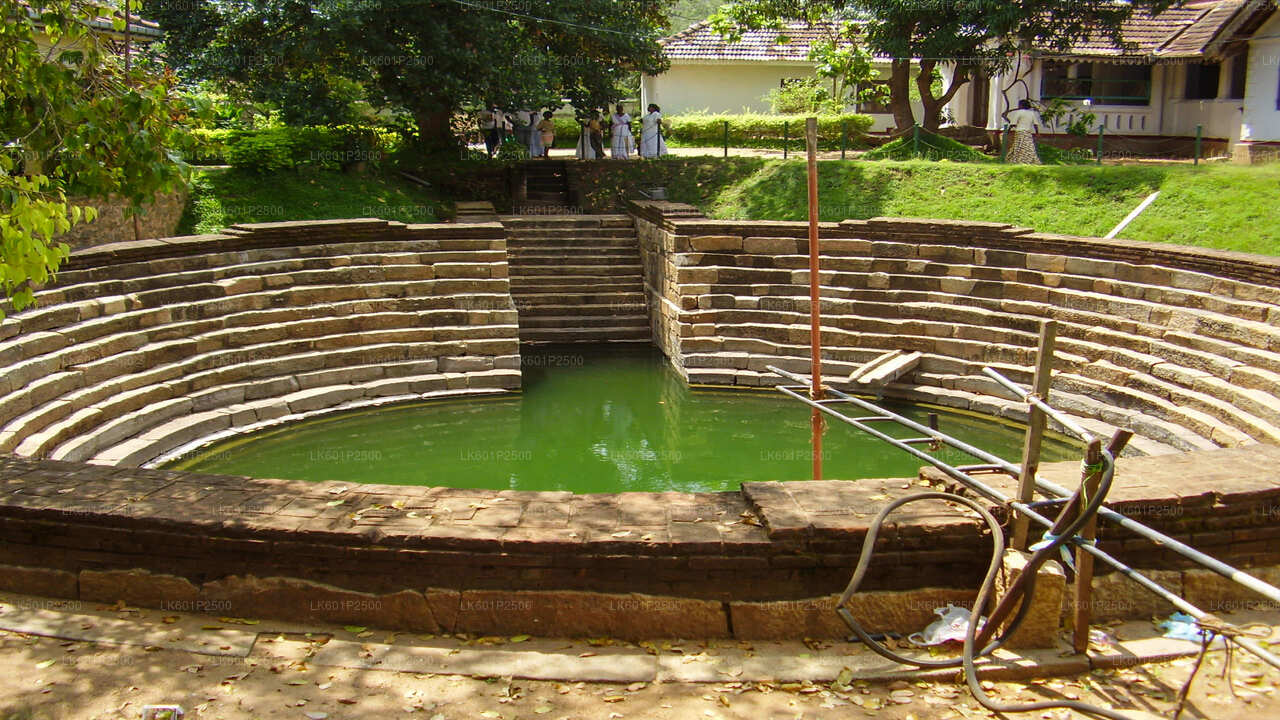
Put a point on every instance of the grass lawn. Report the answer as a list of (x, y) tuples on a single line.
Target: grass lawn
[(1222, 206), (1216, 206), (220, 198)]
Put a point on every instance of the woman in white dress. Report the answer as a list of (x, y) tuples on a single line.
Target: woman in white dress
[(584, 151), (651, 143), (623, 141)]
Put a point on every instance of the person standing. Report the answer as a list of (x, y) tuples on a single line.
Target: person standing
[(1023, 125), (623, 141), (523, 123), (652, 144), (491, 123), (547, 131), (595, 135)]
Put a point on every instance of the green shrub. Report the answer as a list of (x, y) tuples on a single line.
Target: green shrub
[(568, 130), (803, 96), (281, 148), (927, 146), (763, 131), (512, 149), (211, 146)]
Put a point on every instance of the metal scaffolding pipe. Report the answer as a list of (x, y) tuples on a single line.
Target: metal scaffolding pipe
[(997, 496)]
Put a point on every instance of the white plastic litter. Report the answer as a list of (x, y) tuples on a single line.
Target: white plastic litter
[(951, 626)]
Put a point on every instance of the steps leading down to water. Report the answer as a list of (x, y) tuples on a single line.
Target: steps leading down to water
[(141, 349), (577, 278)]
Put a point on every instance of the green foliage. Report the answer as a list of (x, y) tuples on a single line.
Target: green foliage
[(220, 198), (512, 149), (31, 216), (926, 146), (763, 131), (568, 130), (1077, 123), (430, 59), (281, 148), (81, 123), (810, 95)]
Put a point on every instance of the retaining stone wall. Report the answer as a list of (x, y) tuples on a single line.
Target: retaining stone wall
[(158, 220)]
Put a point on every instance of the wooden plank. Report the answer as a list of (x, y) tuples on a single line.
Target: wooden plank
[(869, 365), (1035, 432), (891, 370)]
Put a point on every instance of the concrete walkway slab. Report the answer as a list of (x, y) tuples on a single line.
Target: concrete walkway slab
[(98, 629), (615, 666)]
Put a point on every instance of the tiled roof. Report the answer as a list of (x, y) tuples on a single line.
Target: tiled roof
[(1179, 32), (700, 42)]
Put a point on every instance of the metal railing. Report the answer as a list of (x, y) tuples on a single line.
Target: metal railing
[(991, 463)]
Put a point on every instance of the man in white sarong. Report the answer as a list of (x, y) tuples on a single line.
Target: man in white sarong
[(623, 140), (652, 144)]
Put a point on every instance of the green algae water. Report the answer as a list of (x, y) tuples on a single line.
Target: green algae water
[(608, 419)]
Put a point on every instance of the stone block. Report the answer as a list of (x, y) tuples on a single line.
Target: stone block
[(770, 245), (137, 587), (1040, 628), (586, 614), (715, 243), (299, 600), (39, 581), (882, 611)]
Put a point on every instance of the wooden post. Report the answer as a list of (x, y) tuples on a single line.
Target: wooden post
[(815, 300), (844, 137), (1035, 431), (1090, 476), (726, 138)]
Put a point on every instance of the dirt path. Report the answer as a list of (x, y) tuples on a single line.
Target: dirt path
[(50, 679)]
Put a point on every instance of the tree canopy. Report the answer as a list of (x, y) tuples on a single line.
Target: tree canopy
[(428, 57), (972, 36), (73, 118)]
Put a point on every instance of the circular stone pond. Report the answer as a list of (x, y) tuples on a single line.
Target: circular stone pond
[(600, 419)]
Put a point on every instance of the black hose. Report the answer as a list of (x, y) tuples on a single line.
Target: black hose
[(985, 592), (864, 563)]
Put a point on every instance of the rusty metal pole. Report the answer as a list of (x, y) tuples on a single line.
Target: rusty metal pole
[(815, 309)]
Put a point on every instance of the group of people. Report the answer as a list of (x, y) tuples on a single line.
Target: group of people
[(622, 142), (539, 134), (534, 131)]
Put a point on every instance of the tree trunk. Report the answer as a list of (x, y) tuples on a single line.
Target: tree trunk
[(435, 137), (900, 95), (933, 106)]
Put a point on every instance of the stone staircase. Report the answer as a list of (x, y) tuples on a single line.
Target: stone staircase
[(142, 349), (577, 278), (1186, 359), (546, 185)]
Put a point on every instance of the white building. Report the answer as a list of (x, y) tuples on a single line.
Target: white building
[(710, 75), (1213, 64)]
